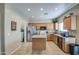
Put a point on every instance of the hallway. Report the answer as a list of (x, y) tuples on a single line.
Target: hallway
[(51, 49)]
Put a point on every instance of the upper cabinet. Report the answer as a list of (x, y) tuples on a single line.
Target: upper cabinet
[(70, 23), (50, 26)]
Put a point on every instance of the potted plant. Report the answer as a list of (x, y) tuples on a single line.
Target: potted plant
[(54, 20)]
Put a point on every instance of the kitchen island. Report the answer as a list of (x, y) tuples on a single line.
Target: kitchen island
[(39, 42)]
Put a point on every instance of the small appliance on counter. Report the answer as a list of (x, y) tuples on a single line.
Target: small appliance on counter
[(66, 34), (43, 30)]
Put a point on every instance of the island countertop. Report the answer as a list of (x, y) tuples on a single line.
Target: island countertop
[(39, 36)]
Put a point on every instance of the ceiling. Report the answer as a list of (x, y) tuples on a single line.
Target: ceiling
[(50, 10)]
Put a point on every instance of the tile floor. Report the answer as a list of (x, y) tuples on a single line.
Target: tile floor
[(51, 49)]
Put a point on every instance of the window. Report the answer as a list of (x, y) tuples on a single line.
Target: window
[(61, 27)]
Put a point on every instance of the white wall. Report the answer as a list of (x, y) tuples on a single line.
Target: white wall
[(13, 38), (74, 10), (2, 40), (0, 34), (40, 21)]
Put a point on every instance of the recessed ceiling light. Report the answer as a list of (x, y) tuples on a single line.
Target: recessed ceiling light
[(32, 16), (41, 9), (28, 9), (56, 8), (45, 13)]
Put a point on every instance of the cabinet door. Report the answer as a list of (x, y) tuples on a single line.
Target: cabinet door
[(51, 37), (38, 26), (49, 26), (63, 44), (66, 48), (67, 23), (55, 39), (48, 38), (73, 22), (60, 42)]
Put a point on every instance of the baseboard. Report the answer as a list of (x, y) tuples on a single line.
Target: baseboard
[(2, 53), (15, 50)]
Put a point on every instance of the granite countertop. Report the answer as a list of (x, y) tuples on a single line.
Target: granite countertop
[(39, 36), (59, 35), (69, 39), (65, 37), (71, 36)]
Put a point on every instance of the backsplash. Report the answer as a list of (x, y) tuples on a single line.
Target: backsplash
[(76, 34)]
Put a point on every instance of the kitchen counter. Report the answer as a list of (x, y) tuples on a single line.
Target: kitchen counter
[(63, 36), (69, 39), (62, 42), (59, 35), (39, 36)]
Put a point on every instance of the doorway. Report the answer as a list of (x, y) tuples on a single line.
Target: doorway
[(22, 34), (27, 34)]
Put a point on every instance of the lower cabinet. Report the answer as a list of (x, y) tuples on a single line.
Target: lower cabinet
[(48, 38), (52, 37), (59, 41), (62, 45), (66, 48)]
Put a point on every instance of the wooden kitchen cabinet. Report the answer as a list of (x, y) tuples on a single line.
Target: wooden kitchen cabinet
[(67, 23), (38, 43), (70, 23), (37, 26), (50, 26), (66, 48), (63, 44), (48, 38), (55, 39), (59, 42), (52, 37)]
